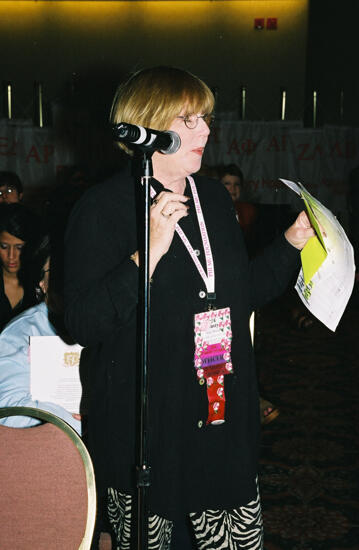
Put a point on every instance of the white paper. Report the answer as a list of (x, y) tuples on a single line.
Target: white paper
[(55, 374), (327, 294)]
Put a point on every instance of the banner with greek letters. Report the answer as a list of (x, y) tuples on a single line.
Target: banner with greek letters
[(321, 159), (28, 151)]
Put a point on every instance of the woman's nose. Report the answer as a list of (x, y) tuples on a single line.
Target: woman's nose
[(203, 127), (13, 253)]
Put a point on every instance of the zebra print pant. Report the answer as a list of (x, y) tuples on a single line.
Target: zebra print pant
[(214, 529)]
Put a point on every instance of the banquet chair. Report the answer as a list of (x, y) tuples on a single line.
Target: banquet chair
[(47, 487)]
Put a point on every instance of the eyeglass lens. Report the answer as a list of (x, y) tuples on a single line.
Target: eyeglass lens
[(7, 191)]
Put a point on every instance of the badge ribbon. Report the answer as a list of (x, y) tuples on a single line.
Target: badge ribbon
[(213, 334)]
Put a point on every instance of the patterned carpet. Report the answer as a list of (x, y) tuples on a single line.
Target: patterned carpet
[(309, 474)]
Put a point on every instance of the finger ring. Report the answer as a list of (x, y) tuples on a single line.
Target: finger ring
[(165, 215)]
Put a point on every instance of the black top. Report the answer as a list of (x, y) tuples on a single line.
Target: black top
[(193, 468), (6, 311)]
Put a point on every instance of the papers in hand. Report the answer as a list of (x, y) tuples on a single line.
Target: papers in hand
[(55, 372), (326, 279)]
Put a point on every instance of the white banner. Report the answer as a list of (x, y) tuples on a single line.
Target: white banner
[(28, 151), (321, 159)]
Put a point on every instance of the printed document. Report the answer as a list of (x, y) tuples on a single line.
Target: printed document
[(55, 374), (326, 279)]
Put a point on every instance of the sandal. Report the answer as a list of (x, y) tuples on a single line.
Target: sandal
[(268, 411)]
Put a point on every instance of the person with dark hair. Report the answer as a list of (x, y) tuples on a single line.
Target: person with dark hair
[(232, 178), (233, 184), (203, 431), (20, 232), (14, 347), (11, 188)]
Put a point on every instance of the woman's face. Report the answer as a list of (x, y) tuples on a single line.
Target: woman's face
[(10, 251), (187, 160), (233, 186)]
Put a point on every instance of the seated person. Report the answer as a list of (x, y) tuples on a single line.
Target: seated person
[(14, 350), (10, 187), (19, 230)]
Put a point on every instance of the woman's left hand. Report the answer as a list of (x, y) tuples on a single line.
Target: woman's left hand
[(299, 233)]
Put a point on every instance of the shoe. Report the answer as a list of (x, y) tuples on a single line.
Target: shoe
[(268, 411), (301, 321), (304, 322)]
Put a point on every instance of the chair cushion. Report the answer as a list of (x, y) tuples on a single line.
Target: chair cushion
[(43, 497)]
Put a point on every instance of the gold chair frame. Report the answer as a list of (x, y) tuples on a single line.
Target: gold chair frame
[(86, 459)]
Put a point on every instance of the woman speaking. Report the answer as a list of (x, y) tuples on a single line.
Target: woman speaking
[(203, 399)]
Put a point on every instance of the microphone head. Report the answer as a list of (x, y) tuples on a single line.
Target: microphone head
[(119, 131), (175, 144)]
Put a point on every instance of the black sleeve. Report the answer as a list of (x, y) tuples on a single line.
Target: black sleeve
[(272, 270), (101, 281)]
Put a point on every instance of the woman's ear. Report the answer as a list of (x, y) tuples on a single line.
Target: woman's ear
[(39, 293), (42, 285)]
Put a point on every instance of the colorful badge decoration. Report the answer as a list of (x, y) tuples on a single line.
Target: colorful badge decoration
[(212, 358)]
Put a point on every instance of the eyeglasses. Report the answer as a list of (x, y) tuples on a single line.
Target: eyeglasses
[(8, 191), (191, 121)]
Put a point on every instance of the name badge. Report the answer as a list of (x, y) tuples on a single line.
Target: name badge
[(212, 358)]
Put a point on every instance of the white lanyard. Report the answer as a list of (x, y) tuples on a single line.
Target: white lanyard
[(209, 278)]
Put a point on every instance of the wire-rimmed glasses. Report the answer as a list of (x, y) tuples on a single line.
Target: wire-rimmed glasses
[(7, 191), (191, 121)]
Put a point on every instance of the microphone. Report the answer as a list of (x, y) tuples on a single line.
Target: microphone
[(167, 142)]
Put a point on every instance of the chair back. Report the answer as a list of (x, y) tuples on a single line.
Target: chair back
[(47, 487)]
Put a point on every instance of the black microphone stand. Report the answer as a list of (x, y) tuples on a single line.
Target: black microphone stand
[(143, 469)]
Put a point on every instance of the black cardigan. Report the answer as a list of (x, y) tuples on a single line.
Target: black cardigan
[(194, 466), (6, 311)]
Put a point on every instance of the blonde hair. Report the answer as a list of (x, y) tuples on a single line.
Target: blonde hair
[(154, 97)]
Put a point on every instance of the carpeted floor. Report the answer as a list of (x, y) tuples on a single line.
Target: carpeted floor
[(309, 474)]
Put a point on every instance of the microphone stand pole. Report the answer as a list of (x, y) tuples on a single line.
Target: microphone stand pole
[(143, 470)]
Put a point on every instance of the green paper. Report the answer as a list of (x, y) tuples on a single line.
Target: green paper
[(312, 256), (314, 252), (313, 219)]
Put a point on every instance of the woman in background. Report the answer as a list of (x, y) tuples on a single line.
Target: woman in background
[(232, 178), (20, 231)]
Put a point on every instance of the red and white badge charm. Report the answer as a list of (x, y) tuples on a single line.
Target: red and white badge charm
[(212, 357)]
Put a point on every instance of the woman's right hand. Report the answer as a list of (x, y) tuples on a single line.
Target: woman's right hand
[(166, 210)]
